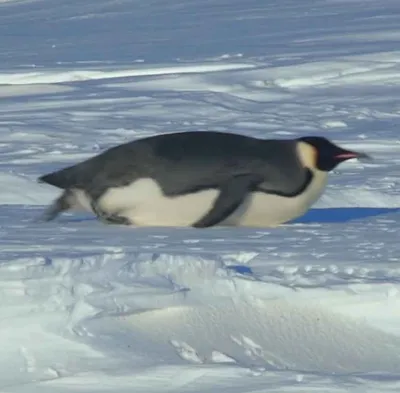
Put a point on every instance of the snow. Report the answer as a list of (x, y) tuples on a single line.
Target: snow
[(310, 306)]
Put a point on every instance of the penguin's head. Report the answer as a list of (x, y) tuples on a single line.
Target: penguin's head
[(327, 155)]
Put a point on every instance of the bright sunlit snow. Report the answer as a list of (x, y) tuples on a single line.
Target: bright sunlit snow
[(311, 306)]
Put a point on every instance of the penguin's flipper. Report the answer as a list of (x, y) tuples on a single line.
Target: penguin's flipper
[(231, 196)]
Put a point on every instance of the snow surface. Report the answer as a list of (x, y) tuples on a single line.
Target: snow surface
[(312, 306)]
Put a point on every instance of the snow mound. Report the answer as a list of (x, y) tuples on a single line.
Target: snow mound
[(22, 190), (275, 334)]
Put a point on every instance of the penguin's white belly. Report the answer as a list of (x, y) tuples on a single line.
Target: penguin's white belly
[(144, 204)]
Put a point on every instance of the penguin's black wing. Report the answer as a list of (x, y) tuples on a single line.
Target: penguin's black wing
[(231, 196)]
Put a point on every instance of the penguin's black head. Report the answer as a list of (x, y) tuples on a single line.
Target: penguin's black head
[(329, 155)]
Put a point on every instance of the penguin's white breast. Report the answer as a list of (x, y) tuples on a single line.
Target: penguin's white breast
[(269, 210)]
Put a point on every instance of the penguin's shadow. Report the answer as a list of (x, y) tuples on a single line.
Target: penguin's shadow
[(328, 215), (342, 214), (313, 216)]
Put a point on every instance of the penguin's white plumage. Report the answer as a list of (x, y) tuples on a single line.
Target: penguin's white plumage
[(200, 179)]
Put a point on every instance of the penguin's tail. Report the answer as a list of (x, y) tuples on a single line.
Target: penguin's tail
[(48, 179), (73, 197), (65, 178)]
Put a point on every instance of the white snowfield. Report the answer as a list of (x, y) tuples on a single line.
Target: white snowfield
[(311, 306)]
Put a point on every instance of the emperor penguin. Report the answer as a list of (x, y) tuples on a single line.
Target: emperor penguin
[(200, 179)]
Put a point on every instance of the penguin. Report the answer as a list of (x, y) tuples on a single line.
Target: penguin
[(200, 179)]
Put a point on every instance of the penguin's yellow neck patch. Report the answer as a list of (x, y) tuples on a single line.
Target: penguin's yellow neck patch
[(307, 154)]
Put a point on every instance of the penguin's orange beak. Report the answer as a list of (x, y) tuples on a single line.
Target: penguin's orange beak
[(348, 155)]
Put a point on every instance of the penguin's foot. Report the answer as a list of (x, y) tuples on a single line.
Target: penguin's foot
[(110, 219), (61, 204), (115, 219)]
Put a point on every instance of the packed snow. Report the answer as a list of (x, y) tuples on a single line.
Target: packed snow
[(313, 305)]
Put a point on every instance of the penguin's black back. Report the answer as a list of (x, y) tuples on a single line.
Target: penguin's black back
[(187, 161)]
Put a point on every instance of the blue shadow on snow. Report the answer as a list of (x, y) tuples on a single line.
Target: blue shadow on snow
[(342, 214), (316, 216), (328, 215)]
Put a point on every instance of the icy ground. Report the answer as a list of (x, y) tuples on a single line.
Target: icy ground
[(312, 306)]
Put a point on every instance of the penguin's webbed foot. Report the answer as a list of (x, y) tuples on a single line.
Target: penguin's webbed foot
[(110, 219), (60, 205), (116, 220)]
